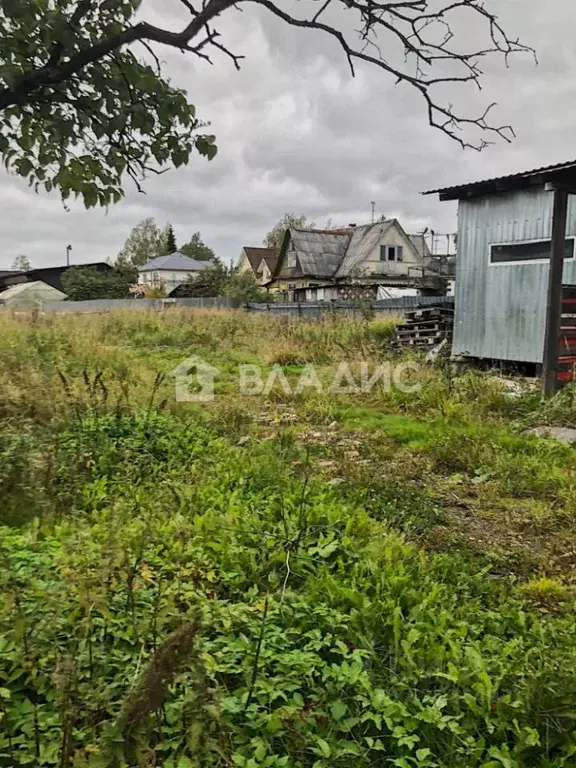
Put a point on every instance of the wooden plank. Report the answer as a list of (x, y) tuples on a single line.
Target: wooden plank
[(553, 307), (429, 313), (436, 327), (449, 323), (427, 341), (428, 332)]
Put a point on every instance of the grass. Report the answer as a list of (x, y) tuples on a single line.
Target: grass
[(305, 580)]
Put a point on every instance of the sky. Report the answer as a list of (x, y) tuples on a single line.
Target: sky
[(296, 133)]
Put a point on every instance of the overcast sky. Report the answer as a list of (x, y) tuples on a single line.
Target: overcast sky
[(297, 133)]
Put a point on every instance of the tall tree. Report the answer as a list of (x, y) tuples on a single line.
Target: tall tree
[(274, 238), (170, 239), (21, 263), (196, 249), (145, 242), (80, 109)]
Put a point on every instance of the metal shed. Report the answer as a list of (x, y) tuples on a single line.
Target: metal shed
[(516, 248)]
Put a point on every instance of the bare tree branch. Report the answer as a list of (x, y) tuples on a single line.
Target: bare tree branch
[(407, 21), (433, 54)]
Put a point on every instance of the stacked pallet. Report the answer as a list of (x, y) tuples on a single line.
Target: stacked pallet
[(567, 351), (426, 327)]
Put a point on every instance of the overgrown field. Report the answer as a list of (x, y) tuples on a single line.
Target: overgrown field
[(305, 579)]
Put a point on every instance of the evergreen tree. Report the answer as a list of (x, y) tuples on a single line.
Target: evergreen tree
[(171, 246)]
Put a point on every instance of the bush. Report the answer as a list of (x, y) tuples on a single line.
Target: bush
[(85, 283)]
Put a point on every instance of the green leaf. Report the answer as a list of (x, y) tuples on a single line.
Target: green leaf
[(338, 710), (324, 747)]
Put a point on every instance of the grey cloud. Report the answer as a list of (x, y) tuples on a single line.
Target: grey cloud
[(297, 133)]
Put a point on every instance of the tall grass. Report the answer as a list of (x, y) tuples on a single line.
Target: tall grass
[(313, 580)]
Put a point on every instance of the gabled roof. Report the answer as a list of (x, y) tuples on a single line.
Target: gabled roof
[(559, 172), (319, 252), (271, 262), (255, 255), (336, 253), (176, 262), (364, 240)]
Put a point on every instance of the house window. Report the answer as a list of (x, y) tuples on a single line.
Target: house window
[(291, 260), (391, 253), (155, 277), (528, 251)]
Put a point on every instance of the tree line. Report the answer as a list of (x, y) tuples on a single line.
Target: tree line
[(148, 241)]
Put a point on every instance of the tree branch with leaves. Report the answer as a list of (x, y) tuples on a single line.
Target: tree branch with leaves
[(82, 106)]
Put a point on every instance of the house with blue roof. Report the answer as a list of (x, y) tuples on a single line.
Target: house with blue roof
[(170, 271)]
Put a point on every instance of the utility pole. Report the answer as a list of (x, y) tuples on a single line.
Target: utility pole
[(373, 204), (68, 249)]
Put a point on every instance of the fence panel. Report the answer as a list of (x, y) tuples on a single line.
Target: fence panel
[(305, 310)]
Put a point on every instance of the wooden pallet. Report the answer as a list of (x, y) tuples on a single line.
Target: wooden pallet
[(429, 313), (566, 371), (429, 341), (425, 327), (428, 334)]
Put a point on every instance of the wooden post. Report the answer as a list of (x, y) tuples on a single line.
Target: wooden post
[(553, 307)]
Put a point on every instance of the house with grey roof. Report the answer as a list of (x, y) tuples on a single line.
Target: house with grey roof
[(353, 262), (171, 271)]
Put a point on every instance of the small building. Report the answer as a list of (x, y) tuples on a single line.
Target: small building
[(49, 275), (170, 271), (354, 263), (30, 295), (260, 261), (504, 309)]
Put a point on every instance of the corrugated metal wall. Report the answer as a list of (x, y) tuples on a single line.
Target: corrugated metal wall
[(500, 308)]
